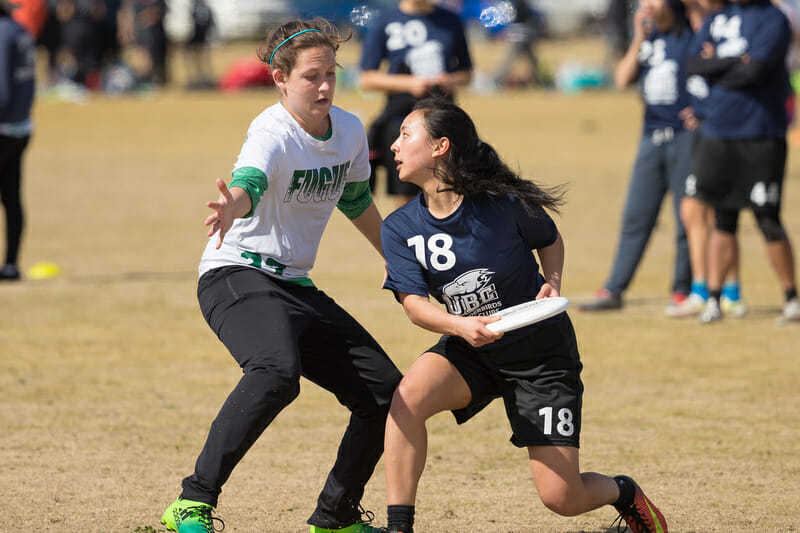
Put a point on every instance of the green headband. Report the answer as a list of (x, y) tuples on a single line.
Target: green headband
[(289, 38)]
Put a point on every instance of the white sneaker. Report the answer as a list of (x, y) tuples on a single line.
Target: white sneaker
[(791, 311), (711, 313), (733, 308), (691, 306)]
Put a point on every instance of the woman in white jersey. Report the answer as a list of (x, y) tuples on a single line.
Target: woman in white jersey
[(467, 240), (301, 158)]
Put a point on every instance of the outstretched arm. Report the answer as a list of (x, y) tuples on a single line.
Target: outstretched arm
[(233, 203)]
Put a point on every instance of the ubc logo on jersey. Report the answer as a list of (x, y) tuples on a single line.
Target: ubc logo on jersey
[(317, 184), (472, 293)]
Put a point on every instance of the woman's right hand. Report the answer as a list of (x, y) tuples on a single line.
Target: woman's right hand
[(223, 216), (473, 330)]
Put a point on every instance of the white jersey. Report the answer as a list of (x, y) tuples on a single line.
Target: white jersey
[(305, 179)]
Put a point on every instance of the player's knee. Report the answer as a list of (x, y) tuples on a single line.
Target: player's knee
[(559, 501), (282, 383), (770, 225), (692, 212), (407, 402), (286, 388)]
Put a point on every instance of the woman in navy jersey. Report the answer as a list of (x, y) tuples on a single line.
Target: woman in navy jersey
[(656, 58), (692, 209), (467, 239)]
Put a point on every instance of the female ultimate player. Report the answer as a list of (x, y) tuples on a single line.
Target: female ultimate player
[(467, 240), (301, 158)]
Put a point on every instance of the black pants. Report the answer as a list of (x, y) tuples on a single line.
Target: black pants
[(277, 332), (11, 150)]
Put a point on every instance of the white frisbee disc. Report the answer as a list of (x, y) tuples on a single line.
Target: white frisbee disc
[(528, 313)]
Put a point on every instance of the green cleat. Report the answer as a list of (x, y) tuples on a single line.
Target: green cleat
[(355, 528), (187, 516)]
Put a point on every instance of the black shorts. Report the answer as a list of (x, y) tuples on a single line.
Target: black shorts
[(538, 378), (738, 173)]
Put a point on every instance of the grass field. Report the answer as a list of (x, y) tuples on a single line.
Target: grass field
[(110, 377)]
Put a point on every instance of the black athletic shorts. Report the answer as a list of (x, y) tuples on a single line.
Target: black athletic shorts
[(538, 378), (738, 173)]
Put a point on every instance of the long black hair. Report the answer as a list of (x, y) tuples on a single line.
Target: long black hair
[(472, 167)]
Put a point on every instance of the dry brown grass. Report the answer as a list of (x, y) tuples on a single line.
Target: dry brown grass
[(110, 377)]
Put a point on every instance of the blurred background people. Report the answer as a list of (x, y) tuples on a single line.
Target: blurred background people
[(741, 156), (80, 34), (731, 300), (521, 35), (197, 54), (17, 82), (142, 25), (656, 56), (426, 50)]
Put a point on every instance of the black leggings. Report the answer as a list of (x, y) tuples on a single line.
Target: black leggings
[(11, 150), (278, 332)]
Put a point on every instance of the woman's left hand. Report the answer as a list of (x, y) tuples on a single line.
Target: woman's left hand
[(547, 291)]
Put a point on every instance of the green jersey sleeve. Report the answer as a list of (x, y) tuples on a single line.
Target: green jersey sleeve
[(355, 199), (253, 181)]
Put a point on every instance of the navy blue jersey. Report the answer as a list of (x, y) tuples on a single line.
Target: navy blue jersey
[(422, 45), (476, 261), (17, 69), (758, 110), (662, 60)]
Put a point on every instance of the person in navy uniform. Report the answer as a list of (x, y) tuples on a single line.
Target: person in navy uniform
[(467, 240), (657, 58), (741, 157), (731, 301), (17, 85), (426, 49)]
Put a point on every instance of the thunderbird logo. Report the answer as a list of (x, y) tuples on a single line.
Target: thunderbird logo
[(472, 293)]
